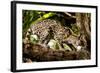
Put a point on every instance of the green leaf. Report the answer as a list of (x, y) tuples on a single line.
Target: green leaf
[(66, 47), (34, 39)]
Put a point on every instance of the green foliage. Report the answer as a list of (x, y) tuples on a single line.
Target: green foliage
[(28, 17), (34, 39), (31, 17), (53, 44), (75, 28), (66, 47)]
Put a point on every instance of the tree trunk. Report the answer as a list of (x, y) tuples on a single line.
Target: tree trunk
[(83, 22)]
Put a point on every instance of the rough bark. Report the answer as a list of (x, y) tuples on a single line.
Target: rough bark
[(83, 22)]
